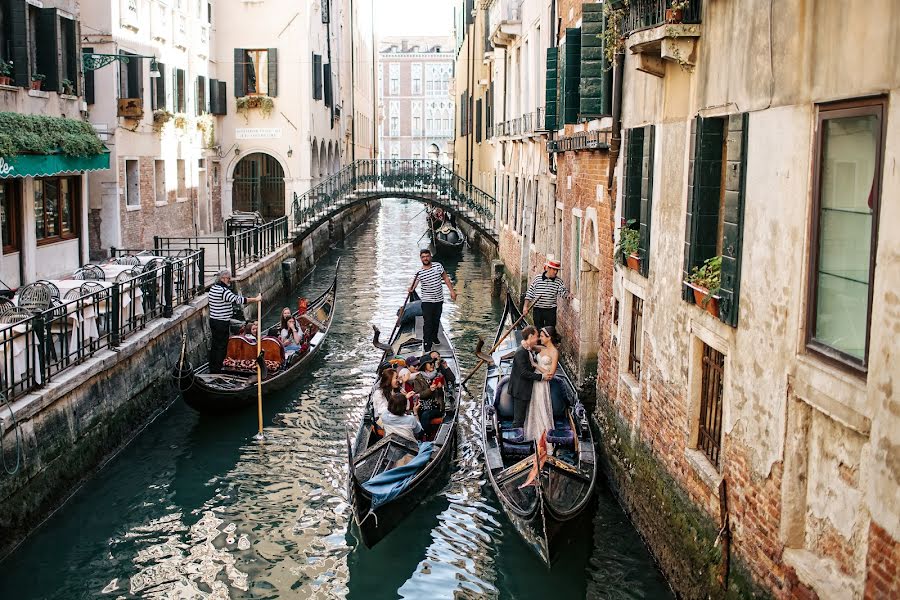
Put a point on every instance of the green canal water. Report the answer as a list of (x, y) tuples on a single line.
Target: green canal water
[(194, 508)]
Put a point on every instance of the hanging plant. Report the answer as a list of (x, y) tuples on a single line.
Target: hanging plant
[(265, 104), (160, 117), (206, 124), (611, 36), (180, 121)]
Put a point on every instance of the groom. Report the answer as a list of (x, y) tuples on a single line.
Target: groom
[(523, 376)]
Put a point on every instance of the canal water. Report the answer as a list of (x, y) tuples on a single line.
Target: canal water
[(194, 508)]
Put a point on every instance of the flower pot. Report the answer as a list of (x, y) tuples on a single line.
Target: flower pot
[(704, 300), (36, 85), (634, 262), (674, 15), (5, 80)]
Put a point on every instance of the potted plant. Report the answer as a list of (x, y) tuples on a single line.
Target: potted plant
[(160, 117), (6, 71), (37, 80), (706, 280), (67, 87), (675, 12), (181, 121), (629, 244), (265, 104)]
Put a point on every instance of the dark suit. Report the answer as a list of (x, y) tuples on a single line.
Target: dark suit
[(521, 382)]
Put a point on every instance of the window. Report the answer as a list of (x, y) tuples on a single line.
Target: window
[(70, 54), (395, 126), (846, 196), (132, 183), (256, 72), (317, 83), (576, 254), (158, 89), (180, 100), (416, 70), (201, 95), (394, 69), (131, 77), (182, 179), (637, 332), (709, 432), (478, 121), (715, 205), (56, 208), (638, 192), (6, 31), (209, 12), (417, 125), (43, 45), (159, 176), (9, 222), (327, 91)]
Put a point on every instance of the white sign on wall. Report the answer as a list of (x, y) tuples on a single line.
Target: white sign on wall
[(257, 133)]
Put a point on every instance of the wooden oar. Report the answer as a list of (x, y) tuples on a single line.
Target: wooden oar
[(386, 347), (260, 357), (417, 214), (497, 345)]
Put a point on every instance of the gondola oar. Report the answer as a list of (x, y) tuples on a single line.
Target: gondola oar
[(486, 358), (417, 214), (386, 347), (260, 367)]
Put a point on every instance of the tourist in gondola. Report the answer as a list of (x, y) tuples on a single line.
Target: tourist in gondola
[(543, 292), (430, 389), (290, 333), (432, 277), (395, 419), (442, 367), (388, 385), (523, 377), (221, 300), (539, 417)]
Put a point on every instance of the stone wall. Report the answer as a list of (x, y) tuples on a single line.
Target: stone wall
[(175, 218)]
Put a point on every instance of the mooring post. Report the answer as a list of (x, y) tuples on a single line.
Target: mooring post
[(496, 277)]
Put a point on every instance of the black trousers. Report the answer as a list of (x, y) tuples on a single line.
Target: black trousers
[(520, 411), (431, 314), (544, 317), (425, 419), (218, 344)]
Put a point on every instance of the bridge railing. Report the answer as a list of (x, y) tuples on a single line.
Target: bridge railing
[(418, 177)]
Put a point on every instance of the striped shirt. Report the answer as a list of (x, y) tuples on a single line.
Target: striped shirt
[(432, 281), (220, 300), (547, 289)]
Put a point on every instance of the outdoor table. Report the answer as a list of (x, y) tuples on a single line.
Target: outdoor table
[(89, 313), (113, 271), (14, 335), (145, 258)]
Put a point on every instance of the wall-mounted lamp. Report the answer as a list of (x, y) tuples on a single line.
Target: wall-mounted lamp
[(290, 152), (237, 150)]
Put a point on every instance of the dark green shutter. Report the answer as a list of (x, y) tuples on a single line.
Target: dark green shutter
[(646, 201), (88, 81), (223, 99), (550, 110), (572, 103), (592, 64), (478, 121), (200, 95), (214, 96), (634, 144), (316, 76), (561, 87), (733, 230), (240, 79), (181, 100), (19, 42), (273, 72), (48, 48), (687, 293), (326, 78)]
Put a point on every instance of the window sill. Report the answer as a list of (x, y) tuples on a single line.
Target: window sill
[(68, 97), (132, 207), (705, 469), (163, 203), (181, 199), (38, 94), (56, 240), (631, 384), (9, 88)]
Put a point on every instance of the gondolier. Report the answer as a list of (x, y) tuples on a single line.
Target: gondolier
[(432, 276), (221, 299), (546, 288)]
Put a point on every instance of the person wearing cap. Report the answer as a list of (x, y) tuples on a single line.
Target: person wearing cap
[(432, 277), (543, 293), (221, 299)]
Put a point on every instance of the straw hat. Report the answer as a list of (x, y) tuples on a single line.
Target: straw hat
[(552, 263)]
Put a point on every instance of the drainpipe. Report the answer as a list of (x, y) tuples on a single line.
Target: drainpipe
[(352, 85), (550, 134), (615, 142)]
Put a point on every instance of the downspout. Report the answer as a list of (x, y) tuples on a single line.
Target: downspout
[(615, 142), (374, 151), (352, 85), (471, 107), (330, 62), (552, 161), (469, 32)]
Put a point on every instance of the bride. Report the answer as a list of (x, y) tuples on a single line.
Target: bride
[(540, 411)]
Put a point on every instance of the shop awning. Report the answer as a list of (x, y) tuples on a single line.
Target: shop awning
[(45, 165)]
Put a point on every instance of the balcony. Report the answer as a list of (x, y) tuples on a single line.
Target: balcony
[(526, 125), (656, 32), (505, 21), (645, 14)]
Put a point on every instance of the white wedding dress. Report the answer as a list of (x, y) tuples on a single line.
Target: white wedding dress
[(539, 417)]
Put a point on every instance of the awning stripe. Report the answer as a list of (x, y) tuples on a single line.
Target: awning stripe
[(45, 165)]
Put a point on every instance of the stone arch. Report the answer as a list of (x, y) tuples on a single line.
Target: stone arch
[(258, 185), (323, 160)]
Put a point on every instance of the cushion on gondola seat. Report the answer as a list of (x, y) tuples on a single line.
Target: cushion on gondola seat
[(521, 449), (515, 435), (561, 437), (503, 402), (558, 398)]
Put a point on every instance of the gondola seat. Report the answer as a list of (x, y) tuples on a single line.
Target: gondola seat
[(514, 443), (515, 435), (561, 437)]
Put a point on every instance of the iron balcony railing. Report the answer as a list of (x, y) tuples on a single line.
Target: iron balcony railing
[(526, 124), (642, 14), (101, 315)]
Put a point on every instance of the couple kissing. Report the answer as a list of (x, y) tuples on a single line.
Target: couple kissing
[(529, 382)]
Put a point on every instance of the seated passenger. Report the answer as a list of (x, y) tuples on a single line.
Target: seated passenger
[(289, 333), (395, 419), (302, 306), (249, 332), (388, 385), (431, 395), (442, 367)]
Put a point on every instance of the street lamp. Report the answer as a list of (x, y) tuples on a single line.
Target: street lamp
[(91, 61)]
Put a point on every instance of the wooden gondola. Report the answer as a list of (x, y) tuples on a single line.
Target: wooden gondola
[(236, 386), (540, 511), (447, 238), (370, 454)]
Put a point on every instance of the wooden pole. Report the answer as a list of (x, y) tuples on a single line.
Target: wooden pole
[(260, 435)]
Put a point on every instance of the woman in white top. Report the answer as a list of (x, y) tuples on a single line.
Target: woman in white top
[(539, 417)]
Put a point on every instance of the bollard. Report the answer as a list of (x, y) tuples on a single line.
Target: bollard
[(496, 277), (288, 271)]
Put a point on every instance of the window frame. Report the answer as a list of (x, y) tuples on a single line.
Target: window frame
[(248, 52), (705, 437), (877, 106), (635, 336), (13, 216), (137, 168), (61, 235)]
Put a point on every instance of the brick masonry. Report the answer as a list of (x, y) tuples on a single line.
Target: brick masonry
[(176, 218)]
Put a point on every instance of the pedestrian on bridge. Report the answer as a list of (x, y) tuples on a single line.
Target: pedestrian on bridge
[(547, 288), (432, 276), (221, 300)]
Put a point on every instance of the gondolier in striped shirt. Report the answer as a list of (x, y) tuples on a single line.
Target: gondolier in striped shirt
[(221, 300), (432, 277), (546, 288)]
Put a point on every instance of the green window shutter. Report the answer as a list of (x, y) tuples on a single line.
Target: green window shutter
[(592, 64), (273, 72), (214, 96), (550, 110), (161, 87), (223, 99), (88, 82), (326, 78), (733, 230), (646, 199), (317, 76), (634, 144), (572, 78), (560, 86), (240, 79), (19, 42), (181, 105), (48, 48), (687, 293)]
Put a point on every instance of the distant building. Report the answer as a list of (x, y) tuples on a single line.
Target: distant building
[(417, 107)]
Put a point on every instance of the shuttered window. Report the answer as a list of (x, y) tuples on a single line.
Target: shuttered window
[(223, 99), (569, 78), (596, 83), (18, 36), (240, 81), (179, 99), (272, 89), (131, 77), (69, 54), (158, 89), (326, 75), (478, 120), (47, 48), (715, 204), (89, 81), (550, 100), (217, 97), (317, 90), (637, 208), (200, 98)]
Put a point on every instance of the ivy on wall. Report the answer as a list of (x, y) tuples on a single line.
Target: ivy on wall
[(39, 134)]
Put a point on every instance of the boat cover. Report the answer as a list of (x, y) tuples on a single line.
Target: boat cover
[(387, 485)]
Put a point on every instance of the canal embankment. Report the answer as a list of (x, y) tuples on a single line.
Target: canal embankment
[(59, 434)]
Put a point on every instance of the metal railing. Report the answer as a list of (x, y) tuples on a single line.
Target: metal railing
[(642, 14), (525, 124), (36, 349)]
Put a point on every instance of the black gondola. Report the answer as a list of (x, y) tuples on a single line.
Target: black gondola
[(539, 511), (447, 238), (236, 387), (370, 454)]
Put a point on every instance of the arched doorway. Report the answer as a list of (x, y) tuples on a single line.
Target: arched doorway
[(314, 165), (259, 185)]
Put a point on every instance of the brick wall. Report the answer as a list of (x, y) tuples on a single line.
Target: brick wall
[(174, 219)]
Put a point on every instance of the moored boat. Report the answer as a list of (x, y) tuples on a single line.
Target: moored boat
[(540, 510), (370, 454), (448, 238), (236, 386)]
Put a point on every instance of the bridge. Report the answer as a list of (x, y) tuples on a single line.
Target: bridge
[(417, 179)]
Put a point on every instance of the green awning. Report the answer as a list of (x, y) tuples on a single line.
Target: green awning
[(45, 165)]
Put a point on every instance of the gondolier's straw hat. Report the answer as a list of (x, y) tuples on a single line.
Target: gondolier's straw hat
[(551, 263)]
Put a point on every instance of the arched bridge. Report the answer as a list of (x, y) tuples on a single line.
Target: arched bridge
[(417, 179)]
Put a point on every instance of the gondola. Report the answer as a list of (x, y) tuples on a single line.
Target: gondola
[(447, 237), (369, 454), (236, 386), (540, 511)]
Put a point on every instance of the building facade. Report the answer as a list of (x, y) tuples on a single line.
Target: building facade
[(414, 75), (752, 431), (46, 148)]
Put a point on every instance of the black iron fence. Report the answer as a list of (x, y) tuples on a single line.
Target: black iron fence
[(90, 317), (641, 14)]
